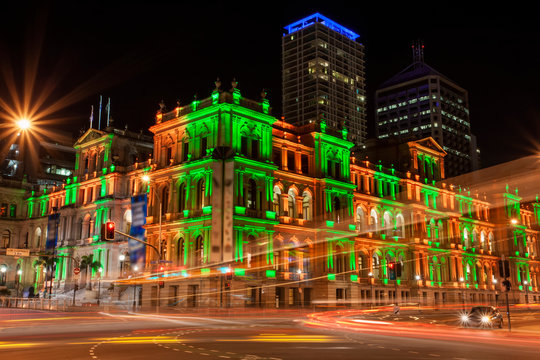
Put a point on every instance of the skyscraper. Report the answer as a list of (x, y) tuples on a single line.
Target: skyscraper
[(323, 75), (418, 102)]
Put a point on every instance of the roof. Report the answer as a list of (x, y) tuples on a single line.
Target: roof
[(318, 18), (414, 71)]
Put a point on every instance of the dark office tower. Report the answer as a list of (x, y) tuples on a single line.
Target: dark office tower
[(323, 76), (418, 102)]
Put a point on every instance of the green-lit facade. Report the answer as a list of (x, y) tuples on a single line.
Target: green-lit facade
[(258, 212), (248, 210)]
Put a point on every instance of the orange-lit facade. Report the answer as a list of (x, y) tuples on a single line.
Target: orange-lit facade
[(248, 210)]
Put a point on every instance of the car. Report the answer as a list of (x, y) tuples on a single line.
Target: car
[(483, 316)]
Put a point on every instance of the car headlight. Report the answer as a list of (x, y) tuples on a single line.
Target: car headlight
[(465, 318), (486, 319)]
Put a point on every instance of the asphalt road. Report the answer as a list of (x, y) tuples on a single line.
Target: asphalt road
[(41, 335)]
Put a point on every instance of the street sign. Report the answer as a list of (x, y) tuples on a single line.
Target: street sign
[(17, 252), (76, 271)]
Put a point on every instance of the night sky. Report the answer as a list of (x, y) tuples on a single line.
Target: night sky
[(138, 53)]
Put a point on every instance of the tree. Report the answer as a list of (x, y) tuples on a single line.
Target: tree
[(45, 262), (88, 263)]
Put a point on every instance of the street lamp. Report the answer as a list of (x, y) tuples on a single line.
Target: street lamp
[(526, 283), (24, 124)]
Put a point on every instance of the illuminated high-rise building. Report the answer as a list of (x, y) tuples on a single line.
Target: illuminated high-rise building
[(323, 75), (419, 102)]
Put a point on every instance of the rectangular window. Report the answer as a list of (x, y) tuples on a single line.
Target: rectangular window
[(4, 210), (204, 146), (305, 164), (255, 149), (291, 165), (169, 155), (276, 157), (185, 152), (13, 210), (244, 145)]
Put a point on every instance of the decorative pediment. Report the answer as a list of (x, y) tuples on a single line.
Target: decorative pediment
[(431, 144), (88, 136)]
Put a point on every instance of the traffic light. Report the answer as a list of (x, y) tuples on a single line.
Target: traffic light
[(392, 270), (162, 284), (398, 269), (109, 230), (227, 285), (504, 268), (506, 285)]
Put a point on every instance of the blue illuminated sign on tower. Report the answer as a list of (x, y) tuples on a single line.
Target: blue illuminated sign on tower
[(307, 21)]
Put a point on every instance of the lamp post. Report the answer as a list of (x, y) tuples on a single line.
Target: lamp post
[(526, 283), (370, 275), (19, 273), (100, 270), (462, 280), (146, 179), (494, 281)]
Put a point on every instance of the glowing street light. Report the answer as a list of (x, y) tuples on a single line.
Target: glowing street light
[(24, 124), (514, 221), (146, 178), (122, 257)]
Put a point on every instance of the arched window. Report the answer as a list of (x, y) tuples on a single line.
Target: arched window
[(6, 239), (375, 266), (337, 210), (199, 251), (360, 219), (252, 194), (164, 249), (37, 238), (439, 233), (200, 194), (475, 238), (277, 200), (388, 225), (292, 203), (340, 259), (483, 240), (307, 203), (362, 265), (182, 198), (127, 221), (466, 238), (180, 251), (373, 220), (164, 200), (433, 231), (400, 226), (87, 227)]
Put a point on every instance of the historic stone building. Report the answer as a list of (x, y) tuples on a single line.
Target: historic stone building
[(248, 210)]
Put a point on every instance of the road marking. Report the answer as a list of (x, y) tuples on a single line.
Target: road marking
[(413, 352), (434, 355), (395, 349), (189, 352), (224, 357)]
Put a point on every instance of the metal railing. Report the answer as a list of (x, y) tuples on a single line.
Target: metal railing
[(35, 303)]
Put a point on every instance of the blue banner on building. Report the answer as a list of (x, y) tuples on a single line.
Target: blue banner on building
[(52, 231), (137, 250)]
